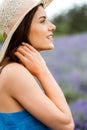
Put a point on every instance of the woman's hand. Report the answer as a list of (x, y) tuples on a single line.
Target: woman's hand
[(31, 59)]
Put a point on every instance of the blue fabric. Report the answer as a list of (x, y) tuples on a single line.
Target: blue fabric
[(20, 121)]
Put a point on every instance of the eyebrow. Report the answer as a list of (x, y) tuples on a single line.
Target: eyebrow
[(42, 17)]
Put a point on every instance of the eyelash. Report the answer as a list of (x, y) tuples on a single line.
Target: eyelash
[(43, 21)]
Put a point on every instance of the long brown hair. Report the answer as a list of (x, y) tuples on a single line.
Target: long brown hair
[(19, 36)]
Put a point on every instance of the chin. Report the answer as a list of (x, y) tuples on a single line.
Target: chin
[(51, 47)]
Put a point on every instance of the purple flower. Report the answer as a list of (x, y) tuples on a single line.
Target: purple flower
[(79, 111)]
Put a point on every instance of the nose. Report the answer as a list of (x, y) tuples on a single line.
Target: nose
[(52, 27)]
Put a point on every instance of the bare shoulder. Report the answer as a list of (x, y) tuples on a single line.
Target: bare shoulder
[(13, 66), (14, 71)]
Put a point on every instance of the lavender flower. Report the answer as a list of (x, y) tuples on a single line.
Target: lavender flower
[(79, 111)]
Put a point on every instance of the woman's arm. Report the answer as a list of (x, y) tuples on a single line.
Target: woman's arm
[(32, 60)]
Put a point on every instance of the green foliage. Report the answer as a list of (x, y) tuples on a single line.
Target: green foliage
[(72, 95), (1, 38), (61, 28), (74, 21)]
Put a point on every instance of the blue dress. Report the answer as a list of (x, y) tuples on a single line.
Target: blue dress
[(21, 120)]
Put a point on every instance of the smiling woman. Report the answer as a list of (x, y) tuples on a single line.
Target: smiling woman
[(25, 103)]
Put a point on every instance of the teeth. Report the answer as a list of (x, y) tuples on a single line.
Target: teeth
[(50, 37)]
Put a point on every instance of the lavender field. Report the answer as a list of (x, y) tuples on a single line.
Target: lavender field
[(68, 64)]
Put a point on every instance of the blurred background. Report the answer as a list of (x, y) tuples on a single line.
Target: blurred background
[(68, 60)]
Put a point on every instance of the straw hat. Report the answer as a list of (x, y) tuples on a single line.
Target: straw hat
[(12, 13)]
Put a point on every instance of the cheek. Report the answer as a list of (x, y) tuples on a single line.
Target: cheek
[(36, 34), (34, 37)]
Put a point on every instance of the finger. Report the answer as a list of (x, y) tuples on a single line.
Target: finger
[(22, 51), (27, 54), (22, 58), (19, 55), (26, 48), (29, 46)]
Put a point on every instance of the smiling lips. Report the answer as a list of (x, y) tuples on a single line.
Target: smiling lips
[(50, 37)]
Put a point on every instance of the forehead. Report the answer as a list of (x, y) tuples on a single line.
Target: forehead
[(40, 12)]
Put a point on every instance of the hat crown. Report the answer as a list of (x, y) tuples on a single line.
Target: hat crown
[(8, 9)]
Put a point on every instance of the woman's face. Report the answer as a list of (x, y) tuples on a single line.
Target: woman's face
[(41, 31)]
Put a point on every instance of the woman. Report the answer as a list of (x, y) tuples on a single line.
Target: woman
[(24, 104)]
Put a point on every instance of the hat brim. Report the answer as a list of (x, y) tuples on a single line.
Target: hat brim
[(9, 36)]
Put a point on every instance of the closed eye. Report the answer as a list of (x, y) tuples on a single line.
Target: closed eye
[(43, 19)]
